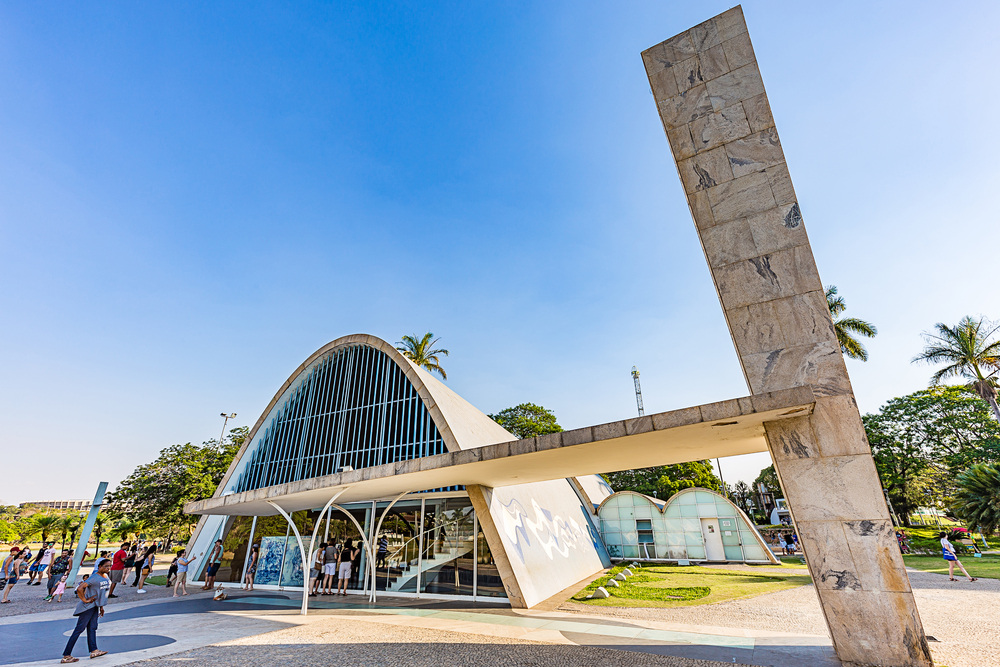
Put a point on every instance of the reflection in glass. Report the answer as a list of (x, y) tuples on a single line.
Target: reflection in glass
[(448, 547), (396, 568), (488, 581), (234, 549)]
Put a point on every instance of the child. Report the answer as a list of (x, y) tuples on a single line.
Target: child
[(60, 589)]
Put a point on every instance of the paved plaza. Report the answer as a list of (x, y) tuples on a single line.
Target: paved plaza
[(780, 629)]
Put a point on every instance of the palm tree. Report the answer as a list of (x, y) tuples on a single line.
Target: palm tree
[(100, 521), (68, 524), (45, 524), (847, 327), (420, 352), (125, 529), (978, 498), (967, 350)]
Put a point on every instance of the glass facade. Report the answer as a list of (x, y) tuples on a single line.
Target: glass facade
[(433, 546), (352, 407), (635, 526)]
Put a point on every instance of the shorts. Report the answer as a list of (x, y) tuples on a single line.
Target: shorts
[(313, 573), (116, 576), (213, 569), (330, 568), (345, 570), (12, 581)]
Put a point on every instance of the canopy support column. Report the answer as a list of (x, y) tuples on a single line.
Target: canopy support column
[(302, 550), (371, 598)]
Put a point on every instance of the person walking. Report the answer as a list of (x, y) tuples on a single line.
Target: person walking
[(344, 562), (118, 567), (214, 562), (93, 595), (182, 570), (11, 571), (251, 568), (59, 567), (148, 560), (948, 553), (137, 561)]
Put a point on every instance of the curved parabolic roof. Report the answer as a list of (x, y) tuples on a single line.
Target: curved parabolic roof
[(355, 402)]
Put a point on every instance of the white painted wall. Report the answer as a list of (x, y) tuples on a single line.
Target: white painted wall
[(548, 539)]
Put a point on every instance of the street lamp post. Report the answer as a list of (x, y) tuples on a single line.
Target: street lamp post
[(228, 417)]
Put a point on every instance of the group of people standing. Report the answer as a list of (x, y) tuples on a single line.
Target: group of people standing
[(47, 561), (331, 566)]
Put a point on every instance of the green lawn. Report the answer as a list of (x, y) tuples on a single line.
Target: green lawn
[(925, 540), (671, 586), (156, 581), (987, 567)]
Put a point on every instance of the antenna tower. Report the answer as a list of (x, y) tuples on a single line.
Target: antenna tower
[(638, 391)]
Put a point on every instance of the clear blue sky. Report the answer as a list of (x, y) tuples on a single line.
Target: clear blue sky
[(193, 199)]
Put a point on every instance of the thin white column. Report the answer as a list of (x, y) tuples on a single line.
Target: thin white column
[(302, 551)]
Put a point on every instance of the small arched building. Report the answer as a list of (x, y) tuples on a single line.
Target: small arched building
[(694, 524)]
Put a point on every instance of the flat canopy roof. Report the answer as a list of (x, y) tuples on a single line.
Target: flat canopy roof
[(726, 428)]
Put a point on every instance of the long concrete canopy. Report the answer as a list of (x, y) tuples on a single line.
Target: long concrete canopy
[(726, 428)]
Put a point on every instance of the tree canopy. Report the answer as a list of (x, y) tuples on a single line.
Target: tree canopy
[(527, 420), (769, 478), (664, 481), (154, 495), (923, 441)]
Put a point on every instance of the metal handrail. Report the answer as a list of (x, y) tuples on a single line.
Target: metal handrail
[(417, 536)]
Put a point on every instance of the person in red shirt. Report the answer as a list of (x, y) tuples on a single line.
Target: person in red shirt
[(118, 568)]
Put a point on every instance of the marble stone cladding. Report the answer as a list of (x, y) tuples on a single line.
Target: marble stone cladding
[(711, 100)]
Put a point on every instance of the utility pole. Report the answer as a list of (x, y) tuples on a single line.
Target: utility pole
[(638, 391), (228, 417)]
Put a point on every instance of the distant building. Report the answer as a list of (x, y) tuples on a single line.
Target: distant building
[(59, 504)]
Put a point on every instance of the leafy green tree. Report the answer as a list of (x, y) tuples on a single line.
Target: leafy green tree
[(155, 493), (769, 478), (45, 524), (7, 532), (24, 528), (847, 328), (977, 500), (687, 475), (969, 353), (743, 497), (421, 352), (664, 481), (527, 420), (921, 442)]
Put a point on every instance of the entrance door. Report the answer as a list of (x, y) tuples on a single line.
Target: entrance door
[(713, 539)]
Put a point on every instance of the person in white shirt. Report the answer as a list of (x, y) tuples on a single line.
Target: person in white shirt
[(316, 569), (948, 553)]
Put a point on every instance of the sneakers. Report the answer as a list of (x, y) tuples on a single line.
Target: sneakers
[(112, 595), (141, 590), (48, 598)]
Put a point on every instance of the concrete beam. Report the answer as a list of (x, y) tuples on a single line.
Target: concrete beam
[(711, 100)]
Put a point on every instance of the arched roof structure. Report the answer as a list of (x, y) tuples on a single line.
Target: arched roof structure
[(298, 435)]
